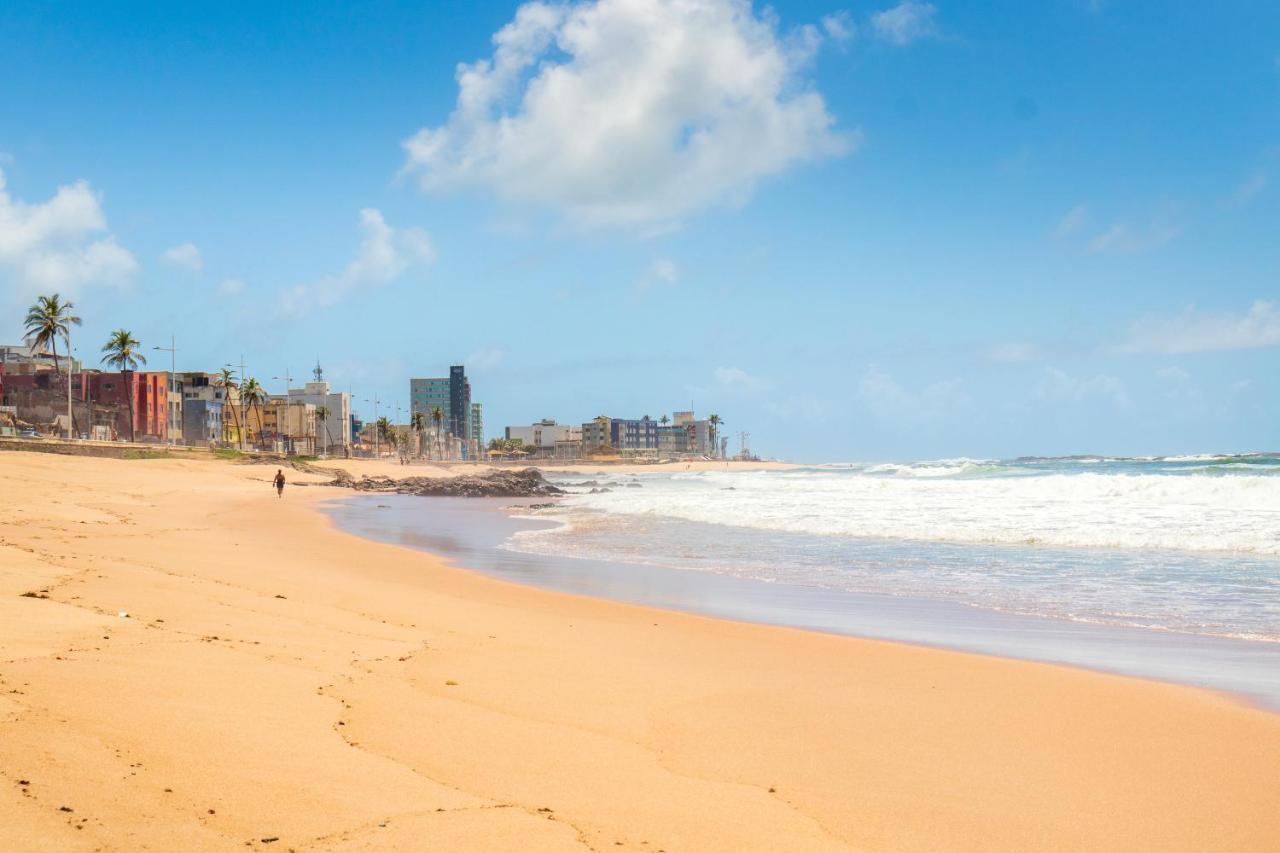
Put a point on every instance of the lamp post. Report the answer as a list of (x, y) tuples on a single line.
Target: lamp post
[(377, 444), (242, 425), (70, 362), (172, 349), (287, 379)]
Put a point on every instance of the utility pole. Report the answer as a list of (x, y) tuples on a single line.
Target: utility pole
[(172, 349)]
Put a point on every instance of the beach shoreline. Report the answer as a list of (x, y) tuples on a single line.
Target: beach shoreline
[(475, 535), (188, 661)]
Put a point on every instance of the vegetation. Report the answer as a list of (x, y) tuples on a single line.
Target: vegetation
[(437, 416), (49, 319), (121, 352), (226, 380), (418, 423), (253, 395), (384, 430), (715, 421), (145, 454), (322, 415)]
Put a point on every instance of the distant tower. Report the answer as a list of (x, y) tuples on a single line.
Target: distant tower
[(318, 373)]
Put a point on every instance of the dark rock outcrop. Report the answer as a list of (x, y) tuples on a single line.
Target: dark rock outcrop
[(528, 482)]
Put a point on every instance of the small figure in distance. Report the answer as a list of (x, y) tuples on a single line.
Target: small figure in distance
[(279, 481)]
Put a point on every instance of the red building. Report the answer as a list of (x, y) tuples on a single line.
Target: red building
[(148, 393)]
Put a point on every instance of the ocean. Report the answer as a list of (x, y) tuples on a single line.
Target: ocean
[(1163, 567), (1184, 543)]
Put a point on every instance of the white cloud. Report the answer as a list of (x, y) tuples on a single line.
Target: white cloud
[(1123, 237), (889, 401), (736, 377), (1179, 385), (630, 112), (231, 287), (52, 245), (666, 271), (1250, 187), (485, 360), (1057, 386), (1014, 352), (907, 22), (385, 254), (1198, 331), (1071, 222), (186, 256), (839, 26)]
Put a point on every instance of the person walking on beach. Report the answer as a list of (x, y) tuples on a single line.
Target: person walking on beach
[(279, 481)]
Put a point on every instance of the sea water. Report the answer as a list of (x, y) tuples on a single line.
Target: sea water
[(1186, 544)]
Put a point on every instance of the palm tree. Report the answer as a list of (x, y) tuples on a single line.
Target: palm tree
[(715, 422), (437, 415), (322, 415), (254, 395), (386, 431), (664, 420), (49, 319), (122, 353), (226, 380), (419, 424)]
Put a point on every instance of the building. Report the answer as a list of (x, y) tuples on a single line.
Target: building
[(426, 395), (452, 395), (597, 434), (459, 404), (674, 440), (477, 429), (333, 410), (288, 426), (634, 434), (201, 421), (547, 439), (203, 408), (146, 392)]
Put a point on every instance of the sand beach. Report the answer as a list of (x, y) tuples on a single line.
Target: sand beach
[(188, 662)]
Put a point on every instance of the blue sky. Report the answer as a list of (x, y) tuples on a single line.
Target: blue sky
[(862, 231)]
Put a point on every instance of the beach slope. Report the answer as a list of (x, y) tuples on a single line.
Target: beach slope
[(188, 662)]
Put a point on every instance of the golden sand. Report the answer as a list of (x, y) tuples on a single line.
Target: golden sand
[(277, 679)]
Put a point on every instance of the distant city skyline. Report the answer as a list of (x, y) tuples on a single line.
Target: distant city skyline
[(859, 231)]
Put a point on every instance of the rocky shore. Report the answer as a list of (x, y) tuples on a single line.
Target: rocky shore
[(528, 482)]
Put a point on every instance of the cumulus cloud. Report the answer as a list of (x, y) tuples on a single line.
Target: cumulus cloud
[(60, 244), (736, 377), (231, 287), (1200, 331), (1124, 237), (907, 22), (185, 255), (1057, 386), (630, 112), (889, 401), (1071, 222), (385, 254), (839, 26)]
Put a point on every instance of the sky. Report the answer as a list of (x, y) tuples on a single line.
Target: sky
[(867, 231)]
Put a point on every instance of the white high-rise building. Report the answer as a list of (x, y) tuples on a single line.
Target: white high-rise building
[(333, 432)]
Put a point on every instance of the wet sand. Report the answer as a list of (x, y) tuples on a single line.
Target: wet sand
[(279, 684), (475, 533)]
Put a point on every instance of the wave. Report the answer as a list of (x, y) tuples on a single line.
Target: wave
[(963, 501)]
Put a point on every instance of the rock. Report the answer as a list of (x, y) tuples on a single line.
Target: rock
[(525, 483)]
